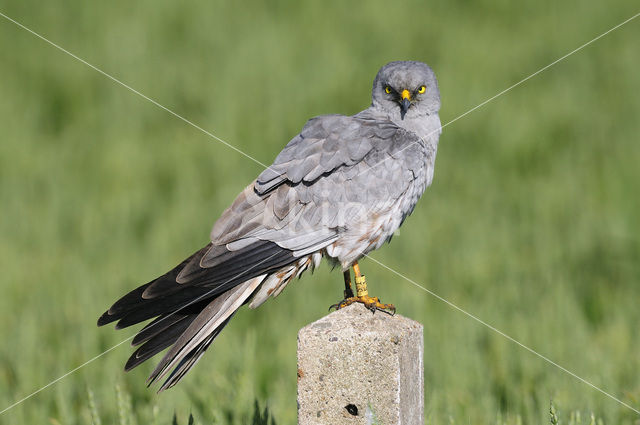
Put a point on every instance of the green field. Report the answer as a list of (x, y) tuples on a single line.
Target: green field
[(532, 223)]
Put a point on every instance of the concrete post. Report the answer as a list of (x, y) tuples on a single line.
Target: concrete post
[(355, 367)]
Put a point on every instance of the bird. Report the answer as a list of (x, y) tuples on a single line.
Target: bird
[(338, 190)]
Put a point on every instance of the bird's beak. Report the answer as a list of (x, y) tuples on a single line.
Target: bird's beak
[(405, 102)]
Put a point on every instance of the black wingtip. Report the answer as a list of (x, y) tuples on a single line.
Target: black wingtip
[(105, 319)]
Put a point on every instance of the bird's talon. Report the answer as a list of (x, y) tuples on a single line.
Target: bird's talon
[(371, 303)]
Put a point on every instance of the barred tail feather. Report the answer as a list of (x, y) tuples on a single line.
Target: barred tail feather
[(192, 303), (203, 329)]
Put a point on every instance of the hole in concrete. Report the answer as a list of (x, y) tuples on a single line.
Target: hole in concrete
[(352, 409)]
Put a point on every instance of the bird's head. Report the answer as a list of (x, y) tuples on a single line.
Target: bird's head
[(406, 88)]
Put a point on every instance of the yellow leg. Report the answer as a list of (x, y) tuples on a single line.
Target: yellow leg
[(362, 294), (361, 282)]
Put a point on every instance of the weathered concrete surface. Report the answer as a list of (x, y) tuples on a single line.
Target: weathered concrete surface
[(353, 358)]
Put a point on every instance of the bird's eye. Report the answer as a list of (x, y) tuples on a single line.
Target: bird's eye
[(422, 89), (387, 89)]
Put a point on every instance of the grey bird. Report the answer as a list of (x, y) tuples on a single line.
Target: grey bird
[(338, 190)]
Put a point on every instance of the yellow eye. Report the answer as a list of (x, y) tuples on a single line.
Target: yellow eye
[(387, 89), (422, 89)]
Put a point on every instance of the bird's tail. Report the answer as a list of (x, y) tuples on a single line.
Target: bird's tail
[(190, 315), (192, 340)]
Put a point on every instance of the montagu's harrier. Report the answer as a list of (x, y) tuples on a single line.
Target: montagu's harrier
[(338, 190)]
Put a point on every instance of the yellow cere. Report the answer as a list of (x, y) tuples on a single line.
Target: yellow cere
[(405, 94), (422, 89)]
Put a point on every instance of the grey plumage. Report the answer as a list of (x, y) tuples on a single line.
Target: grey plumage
[(338, 190)]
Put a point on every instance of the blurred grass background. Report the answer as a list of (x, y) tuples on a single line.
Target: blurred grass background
[(531, 224)]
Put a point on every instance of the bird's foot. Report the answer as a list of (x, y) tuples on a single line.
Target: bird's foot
[(372, 303)]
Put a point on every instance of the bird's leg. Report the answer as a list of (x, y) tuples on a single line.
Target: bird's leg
[(361, 282), (348, 292), (362, 294)]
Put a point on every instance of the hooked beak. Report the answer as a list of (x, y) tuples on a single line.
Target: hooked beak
[(405, 102)]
